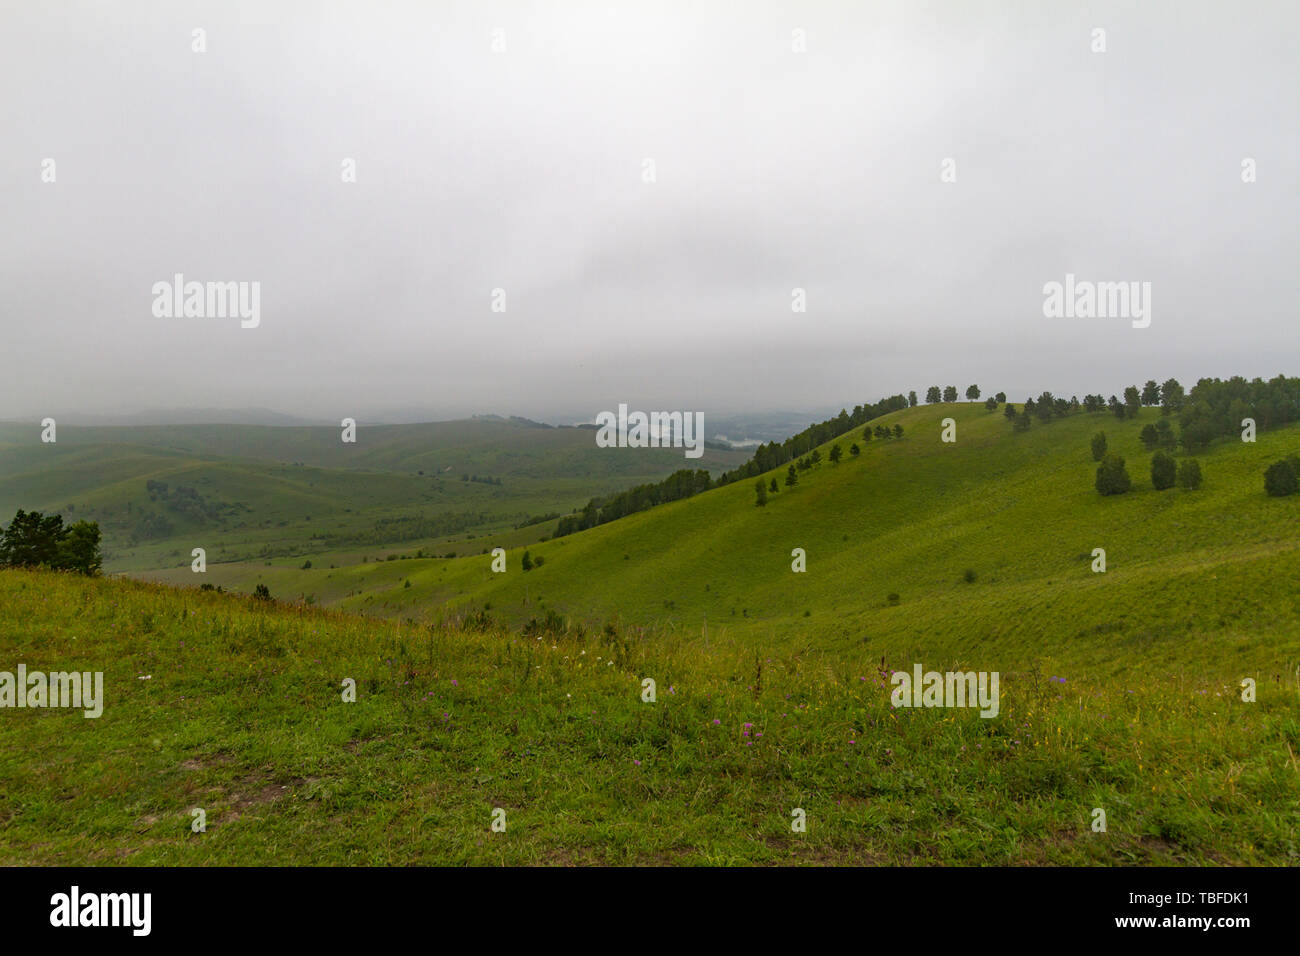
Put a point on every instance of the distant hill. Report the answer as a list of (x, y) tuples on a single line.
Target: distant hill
[(262, 491)]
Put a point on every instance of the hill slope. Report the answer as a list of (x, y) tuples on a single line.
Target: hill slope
[(1191, 576), (230, 706)]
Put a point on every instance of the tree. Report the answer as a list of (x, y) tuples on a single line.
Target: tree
[(1023, 420), (1171, 396), (1164, 470), (791, 479), (34, 539), (1132, 401), (911, 399), (991, 404), (31, 540), (882, 431), (1165, 431), (1150, 436), (760, 490), (79, 548), (1001, 397), (854, 450), (262, 593), (898, 431), (1009, 411), (1189, 474), (972, 393), (527, 561), (1099, 446), (1198, 434), (772, 487), (932, 394), (836, 454), (1151, 393), (950, 393), (816, 456), (866, 435), (1112, 478), (1028, 407), (1280, 479)]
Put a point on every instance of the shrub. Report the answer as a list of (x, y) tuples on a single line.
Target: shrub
[(893, 597), (1112, 478), (1099, 446), (1280, 479), (262, 593), (1189, 474), (969, 576), (1164, 471)]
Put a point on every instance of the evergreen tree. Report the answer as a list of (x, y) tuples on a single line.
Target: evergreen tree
[(1099, 446), (1164, 471), (1112, 478)]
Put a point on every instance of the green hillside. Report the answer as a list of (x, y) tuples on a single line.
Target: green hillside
[(262, 492), (231, 706), (1202, 577), (1122, 692)]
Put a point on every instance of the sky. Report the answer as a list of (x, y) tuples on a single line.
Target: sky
[(647, 183)]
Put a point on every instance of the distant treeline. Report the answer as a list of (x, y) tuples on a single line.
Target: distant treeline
[(1212, 409), (688, 482)]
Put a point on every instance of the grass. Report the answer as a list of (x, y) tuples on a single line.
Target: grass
[(242, 715), (289, 492), (1121, 691)]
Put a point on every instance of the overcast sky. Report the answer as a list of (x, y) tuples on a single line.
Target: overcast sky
[(524, 169)]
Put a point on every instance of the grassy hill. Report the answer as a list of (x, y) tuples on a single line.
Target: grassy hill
[(1203, 578), (1121, 691), (266, 492), (232, 706)]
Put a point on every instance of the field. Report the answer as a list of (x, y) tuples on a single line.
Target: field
[(265, 492), (241, 715), (523, 691)]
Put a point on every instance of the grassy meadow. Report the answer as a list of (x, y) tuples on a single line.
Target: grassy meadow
[(234, 706), (522, 691)]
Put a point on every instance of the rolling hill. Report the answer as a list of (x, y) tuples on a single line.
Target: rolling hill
[(264, 491), (1202, 575)]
